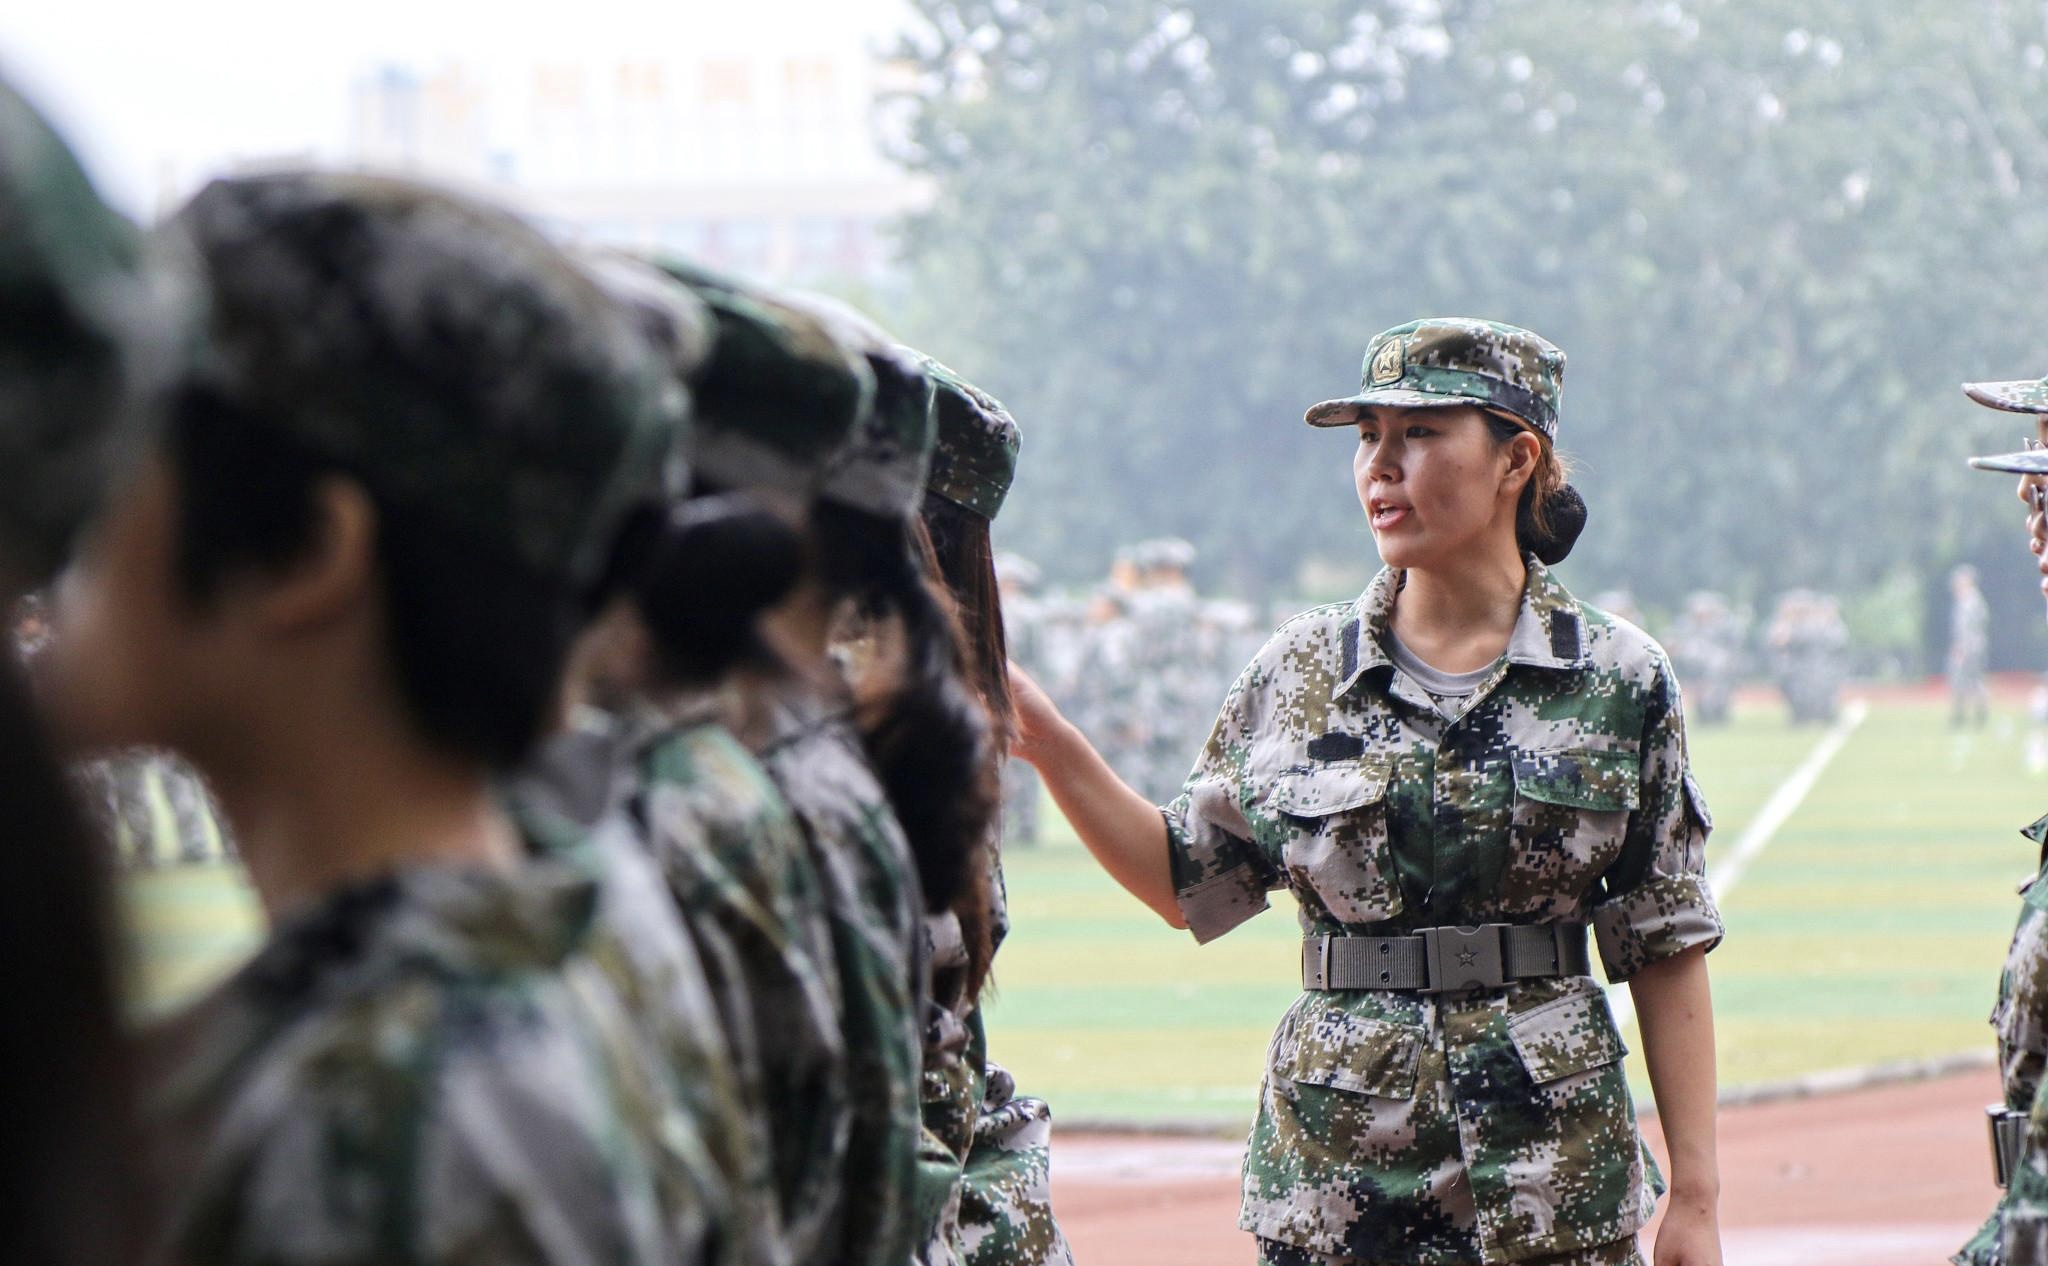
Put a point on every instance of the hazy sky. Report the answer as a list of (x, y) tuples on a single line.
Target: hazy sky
[(154, 93)]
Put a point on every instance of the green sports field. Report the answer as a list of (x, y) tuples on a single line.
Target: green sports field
[(1869, 930)]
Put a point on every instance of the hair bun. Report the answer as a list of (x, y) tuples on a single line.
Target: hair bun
[(1566, 511), (719, 563)]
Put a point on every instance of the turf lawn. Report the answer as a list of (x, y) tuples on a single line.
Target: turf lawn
[(1871, 929)]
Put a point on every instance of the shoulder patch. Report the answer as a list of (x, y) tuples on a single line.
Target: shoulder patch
[(1348, 636), (1564, 634)]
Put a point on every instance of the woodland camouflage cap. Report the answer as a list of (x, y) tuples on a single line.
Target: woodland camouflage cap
[(440, 350), (781, 392), (978, 442), (1457, 360)]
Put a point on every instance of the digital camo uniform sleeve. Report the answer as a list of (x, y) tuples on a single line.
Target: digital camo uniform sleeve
[(1655, 902), (2023, 1237), (1219, 873), (415, 1126)]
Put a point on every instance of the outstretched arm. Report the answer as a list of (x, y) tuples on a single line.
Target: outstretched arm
[(1123, 829), (1676, 1011)]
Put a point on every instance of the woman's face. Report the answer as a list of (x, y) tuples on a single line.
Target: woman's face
[(1435, 484)]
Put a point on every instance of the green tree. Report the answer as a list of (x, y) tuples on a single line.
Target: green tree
[(1772, 237)]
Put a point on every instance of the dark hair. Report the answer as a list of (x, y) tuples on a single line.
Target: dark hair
[(700, 575), (477, 638), (930, 743), (963, 559), (69, 1195), (1551, 513)]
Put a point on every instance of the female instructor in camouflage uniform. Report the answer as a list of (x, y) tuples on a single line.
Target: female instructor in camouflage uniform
[(1455, 775)]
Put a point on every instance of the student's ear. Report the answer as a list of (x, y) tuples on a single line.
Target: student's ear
[(335, 571)]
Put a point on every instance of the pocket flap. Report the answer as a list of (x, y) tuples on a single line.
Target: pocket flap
[(1315, 791), (1580, 778), (1333, 1048), (1567, 1035)]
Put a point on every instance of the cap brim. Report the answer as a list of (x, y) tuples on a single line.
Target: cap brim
[(1344, 412), (2033, 461), (2013, 397)]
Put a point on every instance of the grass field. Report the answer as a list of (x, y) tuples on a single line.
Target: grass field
[(1870, 930)]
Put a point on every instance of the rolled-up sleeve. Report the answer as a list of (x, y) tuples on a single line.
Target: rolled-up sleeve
[(1655, 901), (1220, 875)]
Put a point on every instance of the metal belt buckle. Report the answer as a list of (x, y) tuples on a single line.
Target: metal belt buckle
[(1465, 958)]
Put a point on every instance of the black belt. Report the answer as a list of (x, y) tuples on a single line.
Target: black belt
[(2008, 1141), (1443, 960)]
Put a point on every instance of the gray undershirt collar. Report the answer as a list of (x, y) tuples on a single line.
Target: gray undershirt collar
[(1451, 692)]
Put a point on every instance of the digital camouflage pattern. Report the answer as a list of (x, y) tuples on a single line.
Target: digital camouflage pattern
[(87, 322), (735, 863), (1487, 1125), (2020, 1020), (2027, 395), (428, 1067), (880, 468), (978, 443), (437, 349), (781, 391), (575, 802), (814, 757), (1456, 360)]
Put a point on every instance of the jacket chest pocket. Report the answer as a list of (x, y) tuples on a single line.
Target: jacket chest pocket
[(1570, 819), (1335, 845)]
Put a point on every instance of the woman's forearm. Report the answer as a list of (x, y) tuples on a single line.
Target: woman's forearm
[(1123, 829), (1675, 1008)]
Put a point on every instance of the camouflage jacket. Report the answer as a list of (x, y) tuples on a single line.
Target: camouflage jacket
[(427, 1067), (871, 888), (985, 1164), (577, 801), (1491, 1124), (2020, 1019)]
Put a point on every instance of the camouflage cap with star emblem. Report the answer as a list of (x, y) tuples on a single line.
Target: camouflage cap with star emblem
[(1440, 361), (978, 442), (440, 350)]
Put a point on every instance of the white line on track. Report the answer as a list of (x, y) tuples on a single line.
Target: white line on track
[(1784, 802)]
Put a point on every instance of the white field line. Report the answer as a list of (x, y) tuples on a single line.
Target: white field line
[(1778, 810)]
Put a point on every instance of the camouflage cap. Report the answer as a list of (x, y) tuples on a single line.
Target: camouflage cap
[(677, 325), (2027, 395), (1442, 361), (440, 350), (881, 467), (89, 319), (976, 459), (780, 393), (2033, 461)]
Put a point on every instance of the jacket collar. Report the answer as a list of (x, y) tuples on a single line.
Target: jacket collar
[(1549, 632)]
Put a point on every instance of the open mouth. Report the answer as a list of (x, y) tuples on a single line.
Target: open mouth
[(1385, 514)]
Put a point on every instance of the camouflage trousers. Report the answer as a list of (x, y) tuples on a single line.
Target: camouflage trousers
[(1619, 1253)]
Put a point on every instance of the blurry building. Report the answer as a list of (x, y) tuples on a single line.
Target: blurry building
[(765, 161)]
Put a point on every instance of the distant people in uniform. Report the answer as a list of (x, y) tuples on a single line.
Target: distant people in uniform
[(1806, 642), (1706, 646), (1969, 647)]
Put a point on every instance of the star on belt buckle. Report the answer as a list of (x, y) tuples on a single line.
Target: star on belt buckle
[(1465, 958)]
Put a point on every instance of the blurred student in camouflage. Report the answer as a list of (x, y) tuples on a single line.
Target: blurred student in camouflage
[(1455, 775)]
